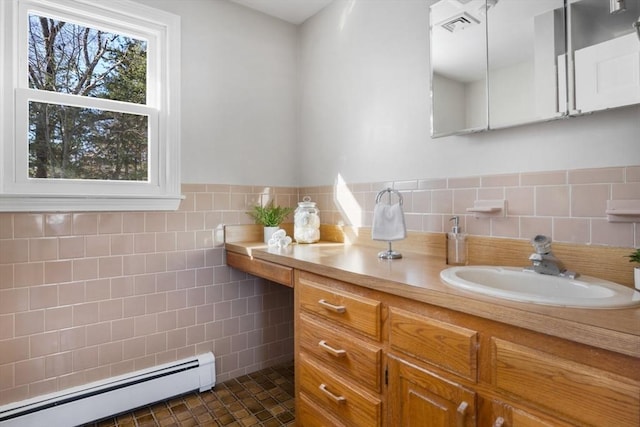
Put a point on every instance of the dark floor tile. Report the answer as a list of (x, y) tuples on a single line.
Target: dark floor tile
[(259, 399)]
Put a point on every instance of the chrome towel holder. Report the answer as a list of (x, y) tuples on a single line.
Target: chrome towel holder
[(389, 253)]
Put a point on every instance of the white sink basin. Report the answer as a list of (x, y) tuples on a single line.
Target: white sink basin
[(515, 284)]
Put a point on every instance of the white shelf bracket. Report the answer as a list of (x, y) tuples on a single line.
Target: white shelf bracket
[(623, 210), (489, 208)]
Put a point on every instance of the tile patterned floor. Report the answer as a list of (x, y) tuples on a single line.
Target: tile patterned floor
[(261, 399)]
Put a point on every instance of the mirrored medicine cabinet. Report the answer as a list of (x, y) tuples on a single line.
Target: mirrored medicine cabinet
[(503, 63)]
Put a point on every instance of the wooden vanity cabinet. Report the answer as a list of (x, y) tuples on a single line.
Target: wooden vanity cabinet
[(419, 397), (267, 270), (529, 379), (578, 392), (338, 354), (496, 413), (399, 362)]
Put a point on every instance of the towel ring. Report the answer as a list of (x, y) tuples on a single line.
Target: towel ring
[(390, 191), (389, 253)]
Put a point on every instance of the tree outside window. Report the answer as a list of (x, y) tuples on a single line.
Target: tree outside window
[(89, 106), (86, 143)]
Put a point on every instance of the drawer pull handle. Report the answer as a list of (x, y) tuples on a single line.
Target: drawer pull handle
[(332, 307), (333, 351), (499, 422), (335, 398), (461, 414)]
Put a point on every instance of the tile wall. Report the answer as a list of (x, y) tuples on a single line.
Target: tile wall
[(84, 296), (567, 205)]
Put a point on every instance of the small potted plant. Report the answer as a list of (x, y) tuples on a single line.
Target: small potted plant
[(270, 216), (635, 257)]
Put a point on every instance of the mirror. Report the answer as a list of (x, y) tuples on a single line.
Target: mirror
[(496, 63), (502, 63), (606, 54), (458, 67), (526, 62)]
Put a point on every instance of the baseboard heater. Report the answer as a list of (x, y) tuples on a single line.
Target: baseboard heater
[(112, 396)]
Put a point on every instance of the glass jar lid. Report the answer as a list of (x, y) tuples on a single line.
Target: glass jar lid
[(307, 203)]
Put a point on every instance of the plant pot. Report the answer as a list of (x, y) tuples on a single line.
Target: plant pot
[(636, 277), (268, 232)]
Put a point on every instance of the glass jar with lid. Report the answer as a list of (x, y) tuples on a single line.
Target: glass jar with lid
[(306, 222)]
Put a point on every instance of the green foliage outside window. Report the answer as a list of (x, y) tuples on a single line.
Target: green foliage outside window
[(69, 142)]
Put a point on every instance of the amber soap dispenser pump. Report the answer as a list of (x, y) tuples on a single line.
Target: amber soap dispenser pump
[(456, 244)]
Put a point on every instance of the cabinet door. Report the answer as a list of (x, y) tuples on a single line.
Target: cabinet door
[(419, 398), (588, 395), (495, 413), (608, 74)]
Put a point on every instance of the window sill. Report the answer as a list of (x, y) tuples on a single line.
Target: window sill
[(47, 203)]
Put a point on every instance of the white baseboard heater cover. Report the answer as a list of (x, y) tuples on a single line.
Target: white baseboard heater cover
[(112, 396)]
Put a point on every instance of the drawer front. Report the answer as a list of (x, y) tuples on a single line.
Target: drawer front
[(267, 270), (352, 356), (352, 311), (310, 415), (584, 393), (450, 347), (521, 418), (349, 404)]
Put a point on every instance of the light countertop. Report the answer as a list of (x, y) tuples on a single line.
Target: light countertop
[(417, 277)]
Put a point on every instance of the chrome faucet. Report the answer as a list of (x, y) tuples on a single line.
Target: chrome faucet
[(544, 261)]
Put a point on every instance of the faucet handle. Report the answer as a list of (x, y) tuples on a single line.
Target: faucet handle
[(535, 257), (542, 244)]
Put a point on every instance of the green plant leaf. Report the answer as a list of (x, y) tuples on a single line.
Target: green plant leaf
[(635, 256), (269, 215)]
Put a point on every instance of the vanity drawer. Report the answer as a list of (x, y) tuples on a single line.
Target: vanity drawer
[(351, 356), (447, 346), (267, 270), (310, 415), (353, 311), (348, 402), (583, 393)]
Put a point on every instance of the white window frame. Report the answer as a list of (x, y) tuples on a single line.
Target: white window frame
[(18, 192)]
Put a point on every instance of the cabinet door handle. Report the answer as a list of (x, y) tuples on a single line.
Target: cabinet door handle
[(332, 307), (461, 414), (333, 351), (334, 397), (499, 422)]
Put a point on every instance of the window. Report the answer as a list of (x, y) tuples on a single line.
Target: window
[(90, 106)]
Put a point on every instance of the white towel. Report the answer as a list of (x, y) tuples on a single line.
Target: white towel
[(388, 222)]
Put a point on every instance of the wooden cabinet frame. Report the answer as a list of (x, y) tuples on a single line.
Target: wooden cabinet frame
[(463, 370)]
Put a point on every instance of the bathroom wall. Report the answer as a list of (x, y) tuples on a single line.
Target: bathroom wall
[(567, 205), (85, 296), (239, 93), (365, 111)]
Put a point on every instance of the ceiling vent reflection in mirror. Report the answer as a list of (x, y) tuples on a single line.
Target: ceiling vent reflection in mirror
[(459, 22)]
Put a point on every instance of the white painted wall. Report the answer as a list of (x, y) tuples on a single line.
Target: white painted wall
[(365, 108), (361, 109), (239, 93)]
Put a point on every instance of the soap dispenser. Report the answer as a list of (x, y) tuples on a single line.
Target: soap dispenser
[(456, 244)]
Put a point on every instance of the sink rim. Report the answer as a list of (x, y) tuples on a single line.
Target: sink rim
[(622, 296)]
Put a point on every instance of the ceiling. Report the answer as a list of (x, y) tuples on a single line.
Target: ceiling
[(293, 11)]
